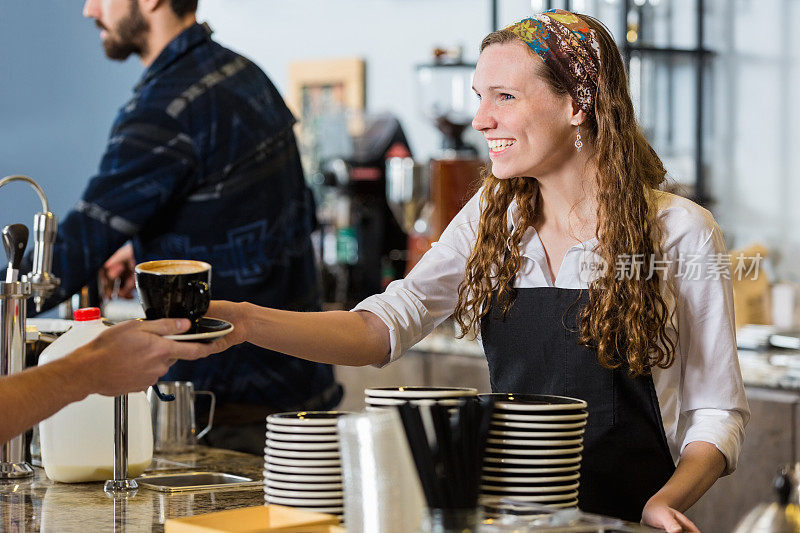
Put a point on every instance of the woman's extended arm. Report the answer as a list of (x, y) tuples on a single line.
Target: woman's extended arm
[(382, 325), (700, 465), (336, 337)]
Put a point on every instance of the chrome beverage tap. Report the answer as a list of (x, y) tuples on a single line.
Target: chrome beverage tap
[(45, 228), (121, 484), (14, 294)]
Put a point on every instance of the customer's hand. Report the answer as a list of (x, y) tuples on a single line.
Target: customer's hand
[(132, 355), (117, 275), (660, 515)]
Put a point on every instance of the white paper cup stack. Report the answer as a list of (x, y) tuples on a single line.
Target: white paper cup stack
[(533, 450), (302, 461), (387, 397), (383, 492)]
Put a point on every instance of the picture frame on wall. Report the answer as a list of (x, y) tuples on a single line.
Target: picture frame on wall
[(327, 96)]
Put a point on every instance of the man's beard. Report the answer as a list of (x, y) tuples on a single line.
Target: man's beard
[(129, 35)]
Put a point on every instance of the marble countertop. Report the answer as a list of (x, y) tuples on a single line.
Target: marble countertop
[(38, 504), (771, 369)]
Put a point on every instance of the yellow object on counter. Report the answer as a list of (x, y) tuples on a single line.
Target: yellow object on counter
[(260, 519), (751, 286)]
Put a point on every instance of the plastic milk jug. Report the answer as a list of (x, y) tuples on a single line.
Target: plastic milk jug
[(77, 442)]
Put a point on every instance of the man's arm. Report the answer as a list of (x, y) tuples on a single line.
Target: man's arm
[(117, 279), (128, 357), (148, 164)]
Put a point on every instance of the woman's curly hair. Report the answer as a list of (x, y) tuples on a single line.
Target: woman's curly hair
[(626, 318)]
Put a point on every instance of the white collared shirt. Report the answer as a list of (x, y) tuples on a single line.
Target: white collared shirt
[(701, 396)]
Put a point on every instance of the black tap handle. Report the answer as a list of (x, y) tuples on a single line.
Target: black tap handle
[(783, 485), (15, 239), (161, 396)]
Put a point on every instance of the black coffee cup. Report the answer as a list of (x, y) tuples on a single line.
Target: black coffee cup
[(174, 288)]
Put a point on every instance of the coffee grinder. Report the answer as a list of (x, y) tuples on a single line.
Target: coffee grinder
[(446, 99), (363, 246)]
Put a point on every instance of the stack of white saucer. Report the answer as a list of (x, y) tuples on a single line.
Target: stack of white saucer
[(302, 462), (533, 450), (386, 397)]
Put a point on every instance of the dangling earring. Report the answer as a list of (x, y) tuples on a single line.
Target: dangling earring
[(578, 143)]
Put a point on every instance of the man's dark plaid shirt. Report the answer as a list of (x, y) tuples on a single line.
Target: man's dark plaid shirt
[(202, 164)]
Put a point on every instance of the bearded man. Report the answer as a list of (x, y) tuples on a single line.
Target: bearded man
[(202, 164)]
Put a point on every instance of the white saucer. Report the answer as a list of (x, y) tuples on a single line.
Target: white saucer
[(305, 494), (528, 479), (298, 437), (421, 402), (522, 406), (384, 401), (535, 451), (307, 418), (502, 471), (296, 485), (516, 425), (302, 503), (305, 464), (571, 503), (533, 462), (534, 402), (420, 392), (531, 513), (534, 442), (316, 430), (210, 328), (536, 434), (302, 446), (559, 498), (540, 418), (302, 478), (338, 512), (291, 454), (304, 470), (530, 490)]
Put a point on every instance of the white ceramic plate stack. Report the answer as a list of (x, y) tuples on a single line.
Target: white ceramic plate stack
[(386, 397), (533, 450), (302, 462)]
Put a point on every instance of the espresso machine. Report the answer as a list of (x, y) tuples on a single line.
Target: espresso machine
[(447, 100), (14, 293), (362, 245)]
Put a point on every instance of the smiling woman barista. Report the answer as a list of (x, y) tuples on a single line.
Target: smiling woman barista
[(573, 186)]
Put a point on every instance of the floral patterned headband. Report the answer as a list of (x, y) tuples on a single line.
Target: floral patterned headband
[(566, 44)]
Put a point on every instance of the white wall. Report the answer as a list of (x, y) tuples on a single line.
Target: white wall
[(390, 35), (755, 172), (58, 97)]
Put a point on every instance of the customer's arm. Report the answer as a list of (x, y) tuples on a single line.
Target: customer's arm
[(335, 337), (126, 358)]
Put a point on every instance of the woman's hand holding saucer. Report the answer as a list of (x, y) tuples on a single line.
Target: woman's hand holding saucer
[(235, 314)]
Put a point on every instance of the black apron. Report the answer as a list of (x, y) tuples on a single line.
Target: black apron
[(535, 350)]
